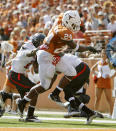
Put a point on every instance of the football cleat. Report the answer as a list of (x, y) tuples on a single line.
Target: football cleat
[(99, 115), (66, 104), (56, 99), (90, 117), (72, 112), (32, 119), (22, 119)]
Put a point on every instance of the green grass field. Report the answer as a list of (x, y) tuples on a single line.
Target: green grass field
[(53, 124), (56, 121)]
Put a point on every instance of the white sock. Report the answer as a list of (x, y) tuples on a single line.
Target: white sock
[(59, 88), (26, 98)]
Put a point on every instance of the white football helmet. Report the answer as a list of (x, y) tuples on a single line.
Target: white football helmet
[(71, 20)]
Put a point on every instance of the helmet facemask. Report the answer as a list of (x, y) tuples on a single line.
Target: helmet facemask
[(71, 20)]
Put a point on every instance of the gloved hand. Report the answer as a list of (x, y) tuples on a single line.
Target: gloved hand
[(113, 63), (92, 49)]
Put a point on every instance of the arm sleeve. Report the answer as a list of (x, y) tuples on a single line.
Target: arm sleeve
[(25, 52)]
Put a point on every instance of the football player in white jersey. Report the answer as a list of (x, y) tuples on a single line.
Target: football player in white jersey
[(74, 84), (71, 86), (19, 64)]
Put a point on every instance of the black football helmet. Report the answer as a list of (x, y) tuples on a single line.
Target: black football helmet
[(37, 39)]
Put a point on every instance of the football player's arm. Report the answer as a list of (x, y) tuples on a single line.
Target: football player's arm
[(70, 43), (9, 63), (80, 48), (83, 48), (32, 53)]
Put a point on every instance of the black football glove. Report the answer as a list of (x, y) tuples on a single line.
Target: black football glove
[(113, 62)]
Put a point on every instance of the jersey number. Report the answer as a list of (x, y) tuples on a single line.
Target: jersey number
[(67, 36)]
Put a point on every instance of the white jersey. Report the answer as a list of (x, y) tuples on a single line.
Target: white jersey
[(72, 59), (21, 61), (47, 69), (67, 64)]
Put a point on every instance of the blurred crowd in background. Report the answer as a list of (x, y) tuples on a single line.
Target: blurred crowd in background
[(19, 19)]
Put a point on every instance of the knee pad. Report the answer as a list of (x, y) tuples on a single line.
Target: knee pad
[(84, 98)]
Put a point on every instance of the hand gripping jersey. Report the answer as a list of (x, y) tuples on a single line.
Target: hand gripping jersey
[(54, 43)]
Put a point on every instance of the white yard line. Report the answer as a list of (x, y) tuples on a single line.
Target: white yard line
[(50, 112), (62, 119)]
